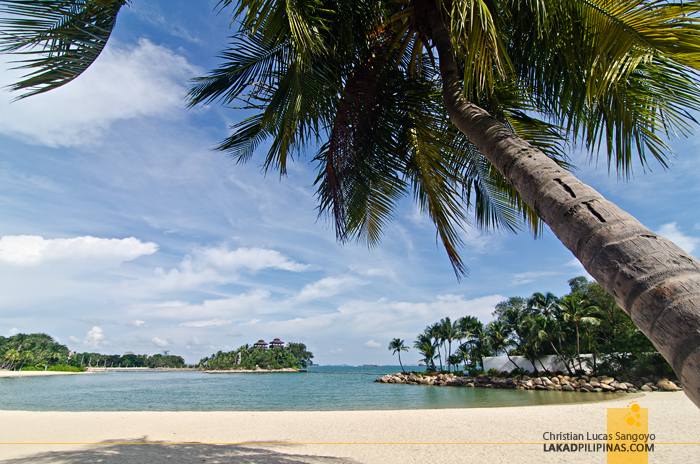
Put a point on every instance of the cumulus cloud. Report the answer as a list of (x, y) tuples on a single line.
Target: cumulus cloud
[(126, 81), (372, 344), (13, 331), (671, 232), (160, 342), (219, 266), (94, 337), (29, 250), (137, 323)]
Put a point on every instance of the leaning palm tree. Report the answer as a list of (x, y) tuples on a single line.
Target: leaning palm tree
[(398, 346), (439, 100), (499, 339)]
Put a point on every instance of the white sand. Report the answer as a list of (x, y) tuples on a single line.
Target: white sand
[(493, 435), (6, 373)]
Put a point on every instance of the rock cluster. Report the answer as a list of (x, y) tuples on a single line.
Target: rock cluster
[(584, 383)]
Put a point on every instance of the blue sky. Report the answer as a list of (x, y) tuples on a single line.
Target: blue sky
[(122, 230)]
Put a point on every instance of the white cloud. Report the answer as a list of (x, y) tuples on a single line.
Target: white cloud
[(671, 232), (253, 259), (209, 323), (385, 319), (372, 344), (160, 342), (125, 82), (327, 287), (29, 250), (137, 323), (528, 277), (94, 337), (13, 331), (216, 311), (219, 266)]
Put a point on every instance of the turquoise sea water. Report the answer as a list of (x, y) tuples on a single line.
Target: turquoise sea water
[(330, 388)]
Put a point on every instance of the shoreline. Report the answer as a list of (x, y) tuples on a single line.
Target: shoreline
[(4, 374), (337, 437)]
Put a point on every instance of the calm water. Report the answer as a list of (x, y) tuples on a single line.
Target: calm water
[(322, 389)]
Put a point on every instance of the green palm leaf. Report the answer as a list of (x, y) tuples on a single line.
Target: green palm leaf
[(59, 38)]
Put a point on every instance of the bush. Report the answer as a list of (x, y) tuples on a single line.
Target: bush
[(65, 368), (32, 368)]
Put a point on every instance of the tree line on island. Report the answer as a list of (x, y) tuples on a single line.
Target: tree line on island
[(40, 351), (586, 321), (247, 357)]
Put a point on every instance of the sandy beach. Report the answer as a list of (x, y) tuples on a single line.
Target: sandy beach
[(4, 373), (337, 437)]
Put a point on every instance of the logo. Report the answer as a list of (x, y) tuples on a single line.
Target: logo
[(629, 440)]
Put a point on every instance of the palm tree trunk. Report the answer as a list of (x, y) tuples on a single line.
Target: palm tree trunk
[(653, 280), (566, 364)]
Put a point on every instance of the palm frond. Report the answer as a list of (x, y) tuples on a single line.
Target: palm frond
[(59, 38)]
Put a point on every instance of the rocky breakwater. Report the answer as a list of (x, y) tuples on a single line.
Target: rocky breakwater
[(583, 384)]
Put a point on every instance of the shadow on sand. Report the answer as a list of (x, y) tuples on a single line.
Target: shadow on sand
[(152, 452)]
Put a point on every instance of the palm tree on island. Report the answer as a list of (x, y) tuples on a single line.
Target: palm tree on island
[(398, 346), (482, 124)]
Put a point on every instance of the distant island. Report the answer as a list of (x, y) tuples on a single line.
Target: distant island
[(39, 351), (276, 355)]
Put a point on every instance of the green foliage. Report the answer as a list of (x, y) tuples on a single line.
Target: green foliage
[(22, 351), (585, 321), (293, 356), (65, 368), (28, 351), (59, 39), (32, 368)]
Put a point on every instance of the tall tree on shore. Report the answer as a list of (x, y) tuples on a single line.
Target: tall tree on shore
[(579, 312), (398, 346), (362, 75)]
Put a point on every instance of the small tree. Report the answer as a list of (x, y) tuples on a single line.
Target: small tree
[(398, 346)]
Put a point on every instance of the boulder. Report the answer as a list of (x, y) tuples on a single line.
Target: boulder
[(594, 383), (537, 381), (607, 380), (646, 388), (567, 387), (667, 385)]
